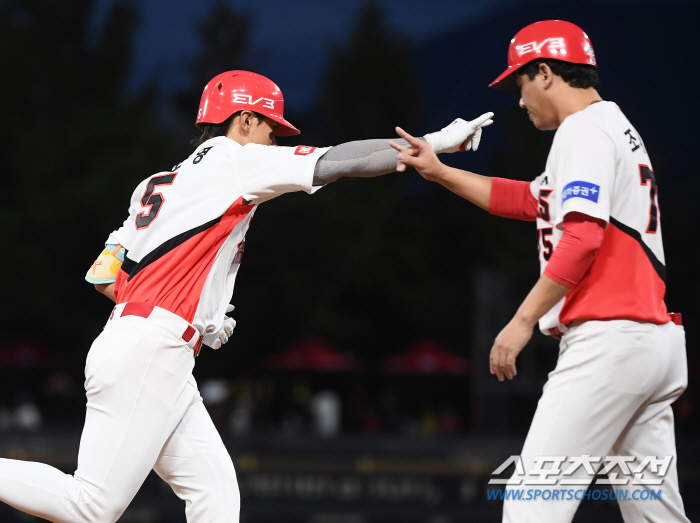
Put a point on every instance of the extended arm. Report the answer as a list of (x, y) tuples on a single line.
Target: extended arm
[(369, 158), (361, 159), (418, 154), (507, 198)]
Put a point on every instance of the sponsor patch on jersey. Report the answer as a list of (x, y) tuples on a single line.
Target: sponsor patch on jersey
[(303, 150), (580, 189)]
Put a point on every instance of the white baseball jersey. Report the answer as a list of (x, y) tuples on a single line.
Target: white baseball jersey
[(185, 233), (598, 166)]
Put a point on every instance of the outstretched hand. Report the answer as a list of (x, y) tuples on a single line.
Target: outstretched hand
[(460, 135), (419, 155)]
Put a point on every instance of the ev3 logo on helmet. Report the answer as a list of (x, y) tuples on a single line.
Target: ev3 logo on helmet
[(239, 98), (589, 51), (555, 44)]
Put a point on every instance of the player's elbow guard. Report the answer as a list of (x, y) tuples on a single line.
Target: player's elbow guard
[(105, 268)]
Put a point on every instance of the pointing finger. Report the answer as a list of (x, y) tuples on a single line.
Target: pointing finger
[(415, 142), (400, 148), (479, 121)]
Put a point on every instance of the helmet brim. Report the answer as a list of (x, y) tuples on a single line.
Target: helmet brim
[(506, 82), (284, 128)]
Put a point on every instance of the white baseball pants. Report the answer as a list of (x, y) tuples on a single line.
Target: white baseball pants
[(609, 395), (143, 412)]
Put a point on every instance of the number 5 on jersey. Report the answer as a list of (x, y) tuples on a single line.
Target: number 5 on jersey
[(154, 201), (545, 245)]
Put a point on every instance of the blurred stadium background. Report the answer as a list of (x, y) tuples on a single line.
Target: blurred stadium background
[(355, 388)]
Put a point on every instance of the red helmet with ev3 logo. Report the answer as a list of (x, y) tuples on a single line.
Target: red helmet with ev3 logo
[(235, 91), (554, 39)]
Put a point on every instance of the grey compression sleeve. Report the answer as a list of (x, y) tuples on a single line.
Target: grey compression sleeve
[(361, 159)]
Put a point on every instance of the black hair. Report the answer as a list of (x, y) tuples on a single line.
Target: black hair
[(581, 76), (212, 130)]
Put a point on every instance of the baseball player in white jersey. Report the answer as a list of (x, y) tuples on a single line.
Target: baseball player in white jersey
[(601, 291), (171, 269)]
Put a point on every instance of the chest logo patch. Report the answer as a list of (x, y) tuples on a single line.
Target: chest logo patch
[(580, 189), (304, 150)]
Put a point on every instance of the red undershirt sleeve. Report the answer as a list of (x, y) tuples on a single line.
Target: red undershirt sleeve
[(576, 249), (512, 199)]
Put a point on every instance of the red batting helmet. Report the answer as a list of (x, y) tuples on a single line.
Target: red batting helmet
[(554, 39), (235, 91)]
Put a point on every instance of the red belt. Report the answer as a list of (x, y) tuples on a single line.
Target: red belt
[(144, 311), (556, 332)]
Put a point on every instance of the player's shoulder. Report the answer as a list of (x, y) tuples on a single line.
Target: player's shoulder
[(140, 189), (598, 115), (595, 121)]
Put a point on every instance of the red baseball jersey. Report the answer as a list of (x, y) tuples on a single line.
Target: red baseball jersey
[(186, 229), (598, 166)]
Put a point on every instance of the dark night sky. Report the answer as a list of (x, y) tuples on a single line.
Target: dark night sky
[(289, 39)]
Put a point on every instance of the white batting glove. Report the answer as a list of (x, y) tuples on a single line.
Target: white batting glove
[(226, 330), (460, 135)]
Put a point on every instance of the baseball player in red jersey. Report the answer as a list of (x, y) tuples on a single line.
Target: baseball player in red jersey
[(171, 269), (601, 291)]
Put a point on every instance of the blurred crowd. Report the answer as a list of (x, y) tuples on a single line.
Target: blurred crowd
[(297, 407), (308, 390), (245, 406)]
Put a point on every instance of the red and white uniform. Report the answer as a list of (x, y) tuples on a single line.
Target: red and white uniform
[(619, 371), (186, 229), (598, 166), (184, 237)]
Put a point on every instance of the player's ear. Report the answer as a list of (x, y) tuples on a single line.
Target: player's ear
[(545, 73), (246, 119)]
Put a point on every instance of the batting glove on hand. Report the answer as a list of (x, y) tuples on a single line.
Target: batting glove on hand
[(226, 330), (460, 135)]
